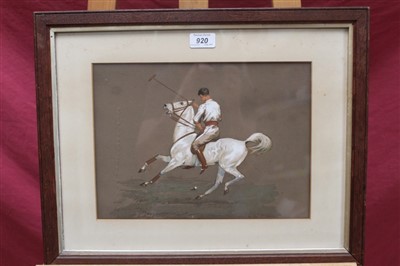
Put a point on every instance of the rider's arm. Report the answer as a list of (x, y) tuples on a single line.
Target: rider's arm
[(199, 114), (197, 117)]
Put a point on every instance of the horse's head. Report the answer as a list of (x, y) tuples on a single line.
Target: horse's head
[(177, 107)]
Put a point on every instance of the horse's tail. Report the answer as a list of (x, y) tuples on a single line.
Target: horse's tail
[(258, 143)]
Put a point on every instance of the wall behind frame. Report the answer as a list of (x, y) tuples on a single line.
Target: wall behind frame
[(20, 197)]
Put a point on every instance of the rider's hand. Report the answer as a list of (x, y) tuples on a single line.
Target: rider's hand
[(199, 132)]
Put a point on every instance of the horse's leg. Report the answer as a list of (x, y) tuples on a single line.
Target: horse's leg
[(218, 181), (173, 163), (166, 159), (237, 176), (153, 180)]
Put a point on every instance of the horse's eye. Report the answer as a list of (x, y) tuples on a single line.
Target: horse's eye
[(181, 103)]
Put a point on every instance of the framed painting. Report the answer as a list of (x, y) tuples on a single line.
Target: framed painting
[(202, 136)]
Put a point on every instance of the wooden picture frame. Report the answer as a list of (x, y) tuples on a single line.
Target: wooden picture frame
[(353, 21)]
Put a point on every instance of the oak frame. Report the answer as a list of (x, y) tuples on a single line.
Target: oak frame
[(44, 22)]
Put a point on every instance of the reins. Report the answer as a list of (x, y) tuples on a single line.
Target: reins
[(177, 118), (184, 136)]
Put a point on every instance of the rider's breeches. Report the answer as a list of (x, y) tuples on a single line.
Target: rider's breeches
[(210, 133)]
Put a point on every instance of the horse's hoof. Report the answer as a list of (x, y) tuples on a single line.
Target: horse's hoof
[(226, 190), (194, 188), (144, 184), (199, 197), (141, 170)]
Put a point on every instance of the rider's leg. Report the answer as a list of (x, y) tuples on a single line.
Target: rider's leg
[(199, 141), (210, 133), (202, 160)]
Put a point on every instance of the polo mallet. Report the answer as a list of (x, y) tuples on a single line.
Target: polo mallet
[(159, 82)]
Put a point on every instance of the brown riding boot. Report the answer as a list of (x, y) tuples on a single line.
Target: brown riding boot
[(202, 160)]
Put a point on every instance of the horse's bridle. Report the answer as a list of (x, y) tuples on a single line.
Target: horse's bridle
[(178, 118)]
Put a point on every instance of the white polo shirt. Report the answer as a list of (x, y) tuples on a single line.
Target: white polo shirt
[(210, 111)]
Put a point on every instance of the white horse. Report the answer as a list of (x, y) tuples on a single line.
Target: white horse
[(228, 153)]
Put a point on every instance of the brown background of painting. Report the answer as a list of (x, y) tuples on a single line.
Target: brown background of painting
[(130, 127)]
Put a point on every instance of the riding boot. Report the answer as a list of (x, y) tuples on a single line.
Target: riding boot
[(202, 160)]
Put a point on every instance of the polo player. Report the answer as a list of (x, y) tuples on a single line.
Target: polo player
[(209, 112)]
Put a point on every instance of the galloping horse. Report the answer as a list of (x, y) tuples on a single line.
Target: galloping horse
[(228, 153)]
